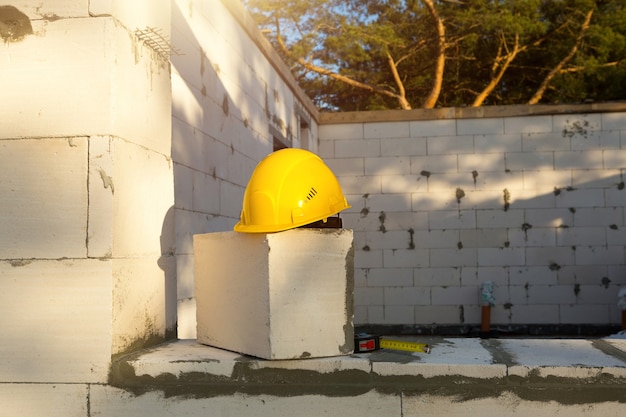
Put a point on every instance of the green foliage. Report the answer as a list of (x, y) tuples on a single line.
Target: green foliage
[(513, 44)]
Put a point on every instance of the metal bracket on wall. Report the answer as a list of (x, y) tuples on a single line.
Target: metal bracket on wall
[(154, 39)]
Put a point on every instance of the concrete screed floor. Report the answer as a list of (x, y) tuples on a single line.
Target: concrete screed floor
[(565, 371)]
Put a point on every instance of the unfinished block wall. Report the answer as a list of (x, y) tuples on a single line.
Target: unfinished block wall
[(534, 204), (86, 183), (230, 102), (108, 107)]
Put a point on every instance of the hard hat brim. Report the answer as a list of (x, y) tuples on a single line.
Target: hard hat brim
[(256, 228)]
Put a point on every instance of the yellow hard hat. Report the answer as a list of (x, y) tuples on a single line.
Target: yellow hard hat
[(289, 188)]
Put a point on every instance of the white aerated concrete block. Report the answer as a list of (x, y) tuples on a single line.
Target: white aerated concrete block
[(107, 401), (58, 9), (56, 324), (43, 66), (52, 399), (276, 296), (44, 198)]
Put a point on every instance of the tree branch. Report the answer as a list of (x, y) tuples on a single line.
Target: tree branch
[(433, 96), (580, 68), (509, 57), (404, 104), (339, 77), (556, 70)]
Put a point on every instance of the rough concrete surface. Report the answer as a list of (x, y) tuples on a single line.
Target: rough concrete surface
[(559, 373)]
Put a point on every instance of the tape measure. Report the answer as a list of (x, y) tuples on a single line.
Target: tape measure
[(406, 346), (364, 342)]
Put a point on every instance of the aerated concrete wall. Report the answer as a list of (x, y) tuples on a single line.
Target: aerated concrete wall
[(86, 179), (533, 202), (230, 104), (127, 127), (86, 184)]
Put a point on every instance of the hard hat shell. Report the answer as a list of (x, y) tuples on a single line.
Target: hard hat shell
[(289, 188)]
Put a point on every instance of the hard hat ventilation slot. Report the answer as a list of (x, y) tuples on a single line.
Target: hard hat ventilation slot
[(312, 193)]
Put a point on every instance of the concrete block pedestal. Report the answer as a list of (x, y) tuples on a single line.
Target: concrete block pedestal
[(281, 295)]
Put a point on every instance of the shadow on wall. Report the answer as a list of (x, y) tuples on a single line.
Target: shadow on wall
[(215, 145), (167, 263), (220, 131), (552, 236)]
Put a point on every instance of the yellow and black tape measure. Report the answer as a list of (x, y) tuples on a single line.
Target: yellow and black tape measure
[(364, 342), (406, 346)]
